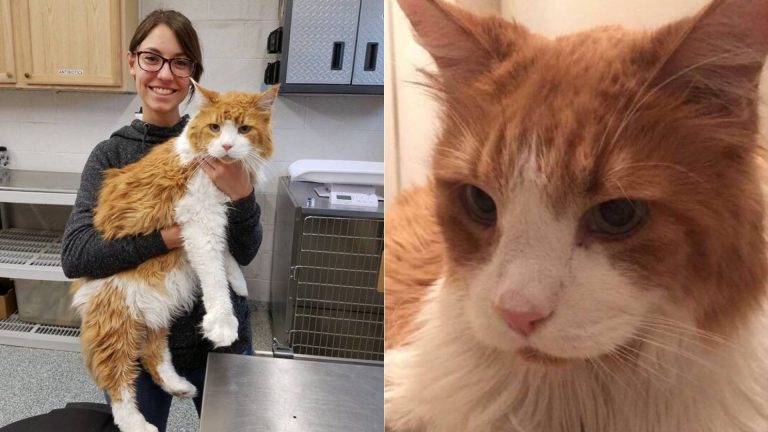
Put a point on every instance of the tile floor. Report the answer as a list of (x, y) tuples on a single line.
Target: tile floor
[(35, 381)]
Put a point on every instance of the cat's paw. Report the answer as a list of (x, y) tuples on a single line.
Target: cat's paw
[(221, 330), (146, 427), (150, 428), (129, 419), (179, 387), (238, 284)]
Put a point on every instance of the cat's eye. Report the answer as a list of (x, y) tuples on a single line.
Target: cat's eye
[(479, 205), (214, 127), (244, 129), (616, 218)]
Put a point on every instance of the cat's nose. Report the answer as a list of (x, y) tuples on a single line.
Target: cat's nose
[(522, 322), (226, 146)]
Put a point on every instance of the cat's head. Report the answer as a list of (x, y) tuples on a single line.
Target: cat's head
[(231, 127), (598, 186)]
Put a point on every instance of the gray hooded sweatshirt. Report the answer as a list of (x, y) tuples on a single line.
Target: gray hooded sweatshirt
[(86, 254)]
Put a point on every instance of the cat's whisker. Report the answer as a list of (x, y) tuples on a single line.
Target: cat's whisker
[(258, 166), (650, 93), (623, 192), (659, 164), (625, 364), (705, 339), (611, 373), (200, 161), (683, 336), (677, 350), (691, 329), (656, 372), (637, 365)]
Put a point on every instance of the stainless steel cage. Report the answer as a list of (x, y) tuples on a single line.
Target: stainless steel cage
[(338, 311), (328, 303)]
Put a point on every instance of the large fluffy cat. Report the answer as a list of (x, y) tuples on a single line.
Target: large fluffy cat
[(589, 255), (126, 316)]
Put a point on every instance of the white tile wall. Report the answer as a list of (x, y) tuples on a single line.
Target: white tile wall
[(47, 130)]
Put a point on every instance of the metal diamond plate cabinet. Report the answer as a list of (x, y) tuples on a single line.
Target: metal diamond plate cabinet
[(332, 46), (325, 299)]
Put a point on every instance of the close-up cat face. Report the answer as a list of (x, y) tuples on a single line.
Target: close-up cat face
[(591, 186), (233, 126)]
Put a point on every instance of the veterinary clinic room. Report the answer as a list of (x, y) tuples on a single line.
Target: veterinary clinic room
[(192, 204)]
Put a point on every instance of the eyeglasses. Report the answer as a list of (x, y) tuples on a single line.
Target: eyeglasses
[(151, 62)]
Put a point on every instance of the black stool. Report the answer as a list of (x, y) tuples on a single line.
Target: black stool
[(74, 417)]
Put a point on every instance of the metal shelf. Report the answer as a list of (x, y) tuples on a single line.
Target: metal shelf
[(30, 254), (38, 187), (28, 197), (15, 332)]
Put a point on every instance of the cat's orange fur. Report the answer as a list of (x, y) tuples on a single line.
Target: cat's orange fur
[(139, 199), (413, 261), (111, 339)]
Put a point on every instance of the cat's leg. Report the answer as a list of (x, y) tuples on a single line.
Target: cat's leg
[(156, 359), (112, 338), (235, 275), (203, 227)]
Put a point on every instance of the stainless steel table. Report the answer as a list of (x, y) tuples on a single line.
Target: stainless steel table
[(263, 393)]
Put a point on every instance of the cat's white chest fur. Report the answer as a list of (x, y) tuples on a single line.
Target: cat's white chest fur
[(446, 381)]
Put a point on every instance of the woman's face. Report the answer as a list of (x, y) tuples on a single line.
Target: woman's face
[(161, 92)]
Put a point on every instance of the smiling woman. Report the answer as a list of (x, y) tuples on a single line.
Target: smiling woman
[(164, 57), (164, 37)]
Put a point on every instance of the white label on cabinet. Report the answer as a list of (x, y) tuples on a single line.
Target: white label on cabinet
[(70, 72)]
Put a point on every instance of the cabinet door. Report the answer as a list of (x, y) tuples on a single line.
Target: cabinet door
[(321, 42), (369, 56), (70, 42), (7, 65)]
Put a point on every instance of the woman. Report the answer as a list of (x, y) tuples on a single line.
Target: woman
[(163, 54)]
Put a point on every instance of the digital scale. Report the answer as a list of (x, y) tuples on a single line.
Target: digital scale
[(351, 195), (343, 182)]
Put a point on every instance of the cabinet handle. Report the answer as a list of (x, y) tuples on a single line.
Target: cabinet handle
[(27, 75), (9, 75), (371, 53), (338, 56)]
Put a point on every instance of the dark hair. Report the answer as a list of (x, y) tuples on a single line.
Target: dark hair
[(181, 27)]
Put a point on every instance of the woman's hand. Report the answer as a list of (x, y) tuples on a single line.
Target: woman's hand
[(232, 179), (171, 236)]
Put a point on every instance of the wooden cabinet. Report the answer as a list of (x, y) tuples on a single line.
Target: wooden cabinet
[(7, 64), (66, 44)]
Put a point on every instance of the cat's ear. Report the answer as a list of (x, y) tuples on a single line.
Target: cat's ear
[(265, 100), (207, 96), (718, 55), (463, 45)]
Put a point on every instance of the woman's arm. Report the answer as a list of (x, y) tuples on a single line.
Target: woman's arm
[(84, 252), (244, 229)]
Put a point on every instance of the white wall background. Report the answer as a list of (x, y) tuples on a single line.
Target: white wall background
[(55, 131)]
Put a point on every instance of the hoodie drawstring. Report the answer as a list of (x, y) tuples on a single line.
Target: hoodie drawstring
[(146, 130)]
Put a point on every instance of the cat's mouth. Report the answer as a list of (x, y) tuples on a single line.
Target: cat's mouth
[(535, 356), (228, 159)]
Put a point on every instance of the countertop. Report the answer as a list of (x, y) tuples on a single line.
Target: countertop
[(263, 393)]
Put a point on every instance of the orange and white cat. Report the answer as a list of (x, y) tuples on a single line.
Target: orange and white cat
[(589, 254), (125, 317)]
